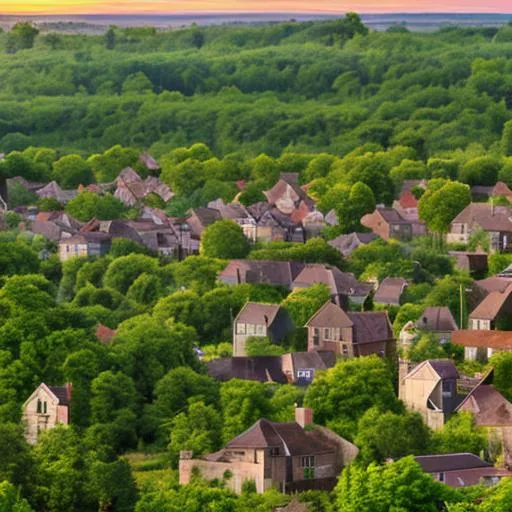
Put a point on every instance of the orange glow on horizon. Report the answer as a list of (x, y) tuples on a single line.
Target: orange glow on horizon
[(41, 7)]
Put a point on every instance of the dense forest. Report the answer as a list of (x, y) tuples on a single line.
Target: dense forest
[(353, 112)]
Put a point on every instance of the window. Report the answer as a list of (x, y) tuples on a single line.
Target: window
[(327, 334), (307, 461), (39, 406), (45, 410), (240, 328), (250, 330), (337, 336), (447, 388), (304, 374), (260, 330), (316, 336), (441, 477), (344, 350)]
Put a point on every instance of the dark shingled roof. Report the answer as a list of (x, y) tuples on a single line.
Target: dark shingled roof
[(319, 360), (290, 438), (488, 406), (391, 216), (450, 462), (444, 368), (390, 290), (370, 327), (261, 369), (329, 315), (256, 313), (487, 216), (63, 393), (437, 319), (492, 305)]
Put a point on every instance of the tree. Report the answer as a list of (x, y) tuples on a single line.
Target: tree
[(303, 303), (22, 36), (402, 486), (123, 271), (243, 403), (262, 346), (388, 435), (108, 165), (16, 464), (10, 499), (198, 430), (138, 83), (460, 434), (53, 41), (441, 202), (264, 170), (506, 139), (17, 258), (110, 38), (88, 205), (425, 347), (482, 170), (72, 171), (342, 394), (224, 239)]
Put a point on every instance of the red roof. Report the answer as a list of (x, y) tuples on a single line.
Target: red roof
[(407, 200), (104, 334)]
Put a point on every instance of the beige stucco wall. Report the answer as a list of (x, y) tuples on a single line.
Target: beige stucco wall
[(68, 251)]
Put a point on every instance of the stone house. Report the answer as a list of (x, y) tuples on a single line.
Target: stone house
[(461, 469), (46, 407), (200, 218), (350, 334), (53, 190), (407, 206), (290, 457), (496, 221), (287, 197), (84, 245), (388, 223), (430, 388), (481, 345), (494, 311), (260, 320), (301, 367), (55, 225), (131, 189)]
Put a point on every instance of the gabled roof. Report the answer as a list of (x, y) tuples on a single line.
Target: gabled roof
[(61, 394), (370, 327), (290, 438), (444, 368), (391, 216), (319, 360), (486, 216), (149, 162), (329, 315), (346, 244), (390, 291), (437, 319), (408, 200), (260, 368), (104, 334), (488, 406), (492, 305), (450, 462), (499, 340), (257, 313), (494, 284)]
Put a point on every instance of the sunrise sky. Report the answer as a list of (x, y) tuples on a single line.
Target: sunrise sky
[(184, 6)]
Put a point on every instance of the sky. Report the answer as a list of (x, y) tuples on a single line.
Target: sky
[(188, 6)]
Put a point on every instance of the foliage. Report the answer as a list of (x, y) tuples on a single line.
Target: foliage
[(88, 205), (224, 239)]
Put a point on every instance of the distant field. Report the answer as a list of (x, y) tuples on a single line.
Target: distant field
[(95, 24)]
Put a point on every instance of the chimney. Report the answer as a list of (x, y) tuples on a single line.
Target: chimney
[(304, 416), (68, 390)]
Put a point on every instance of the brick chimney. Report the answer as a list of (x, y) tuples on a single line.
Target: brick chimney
[(304, 416)]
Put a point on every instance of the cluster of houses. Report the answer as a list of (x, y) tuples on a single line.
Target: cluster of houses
[(300, 455)]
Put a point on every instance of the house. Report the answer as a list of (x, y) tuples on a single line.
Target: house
[(474, 263), (407, 206), (301, 367), (52, 190), (131, 189), (430, 389), (390, 291), (287, 196), (486, 192), (259, 368), (388, 223), (493, 412), (493, 311), (84, 245), (239, 214), (481, 345), (461, 469), (496, 221), (200, 218), (439, 321), (259, 320), (104, 334), (344, 287), (46, 407), (349, 334), (55, 225), (290, 457), (347, 244), (275, 273), (148, 162)]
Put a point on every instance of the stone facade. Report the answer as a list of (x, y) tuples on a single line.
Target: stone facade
[(45, 408)]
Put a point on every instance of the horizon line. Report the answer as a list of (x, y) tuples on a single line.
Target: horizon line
[(231, 12)]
